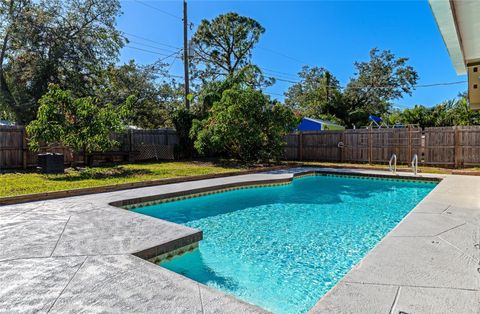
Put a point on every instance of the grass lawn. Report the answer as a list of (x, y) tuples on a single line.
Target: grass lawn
[(28, 182)]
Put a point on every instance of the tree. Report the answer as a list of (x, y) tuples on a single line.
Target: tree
[(317, 95), (224, 45), (245, 125), (455, 112), (68, 43), (376, 84), (212, 91), (153, 100), (78, 123)]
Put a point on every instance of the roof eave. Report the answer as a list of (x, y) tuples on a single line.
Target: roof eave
[(444, 14)]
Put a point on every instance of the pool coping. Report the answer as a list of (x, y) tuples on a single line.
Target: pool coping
[(171, 197), (92, 235)]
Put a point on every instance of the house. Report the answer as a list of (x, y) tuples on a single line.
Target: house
[(309, 124), (459, 24)]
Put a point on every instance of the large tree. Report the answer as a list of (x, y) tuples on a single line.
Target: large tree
[(224, 45), (68, 43), (154, 99), (376, 84), (317, 95)]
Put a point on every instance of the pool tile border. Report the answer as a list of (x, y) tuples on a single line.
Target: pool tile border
[(186, 194), (130, 204)]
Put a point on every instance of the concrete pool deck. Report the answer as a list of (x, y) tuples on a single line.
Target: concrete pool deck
[(78, 254)]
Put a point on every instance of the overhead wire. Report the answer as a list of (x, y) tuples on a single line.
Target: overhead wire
[(277, 75), (151, 46), (147, 50), (158, 9)]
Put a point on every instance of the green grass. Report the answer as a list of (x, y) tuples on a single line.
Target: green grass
[(27, 182), (20, 183)]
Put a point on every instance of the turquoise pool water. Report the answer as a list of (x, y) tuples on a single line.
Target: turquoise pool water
[(282, 248)]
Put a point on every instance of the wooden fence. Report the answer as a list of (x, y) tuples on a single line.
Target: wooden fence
[(143, 145), (446, 146)]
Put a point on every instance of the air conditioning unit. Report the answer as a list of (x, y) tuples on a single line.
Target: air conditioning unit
[(474, 86)]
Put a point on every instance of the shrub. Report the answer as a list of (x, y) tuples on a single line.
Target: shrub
[(244, 125), (77, 123)]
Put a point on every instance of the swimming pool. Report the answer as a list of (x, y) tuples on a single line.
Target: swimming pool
[(283, 247)]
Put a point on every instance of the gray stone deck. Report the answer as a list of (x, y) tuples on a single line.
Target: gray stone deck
[(76, 255)]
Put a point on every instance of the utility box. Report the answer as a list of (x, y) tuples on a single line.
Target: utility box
[(474, 86), (51, 163)]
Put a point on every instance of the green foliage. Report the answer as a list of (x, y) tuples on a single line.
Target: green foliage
[(454, 112), (245, 125), (317, 95), (212, 91), (377, 83), (225, 43), (78, 123), (183, 120), (68, 43), (153, 100), (223, 48)]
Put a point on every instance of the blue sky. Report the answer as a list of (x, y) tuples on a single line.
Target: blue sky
[(332, 34)]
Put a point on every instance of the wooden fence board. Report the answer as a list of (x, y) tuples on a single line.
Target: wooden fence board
[(155, 144), (446, 146)]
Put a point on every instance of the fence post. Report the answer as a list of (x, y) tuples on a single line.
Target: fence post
[(300, 145), (340, 149), (24, 148), (409, 147), (458, 153), (130, 140), (370, 144)]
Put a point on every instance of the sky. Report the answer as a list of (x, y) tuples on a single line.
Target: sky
[(330, 34)]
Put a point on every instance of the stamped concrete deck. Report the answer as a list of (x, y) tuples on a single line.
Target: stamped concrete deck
[(76, 254)]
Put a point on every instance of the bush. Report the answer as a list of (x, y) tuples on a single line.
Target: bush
[(244, 125), (182, 120), (78, 123)]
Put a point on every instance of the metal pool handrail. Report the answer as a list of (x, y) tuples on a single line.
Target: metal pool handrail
[(415, 164), (394, 160)]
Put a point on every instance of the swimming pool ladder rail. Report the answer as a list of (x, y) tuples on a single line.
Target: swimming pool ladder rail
[(415, 164), (392, 164)]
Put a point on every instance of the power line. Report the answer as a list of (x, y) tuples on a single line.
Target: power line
[(442, 84), (158, 9), (151, 46), (171, 64), (175, 54), (282, 54), (151, 51), (279, 76), (280, 73), (150, 40)]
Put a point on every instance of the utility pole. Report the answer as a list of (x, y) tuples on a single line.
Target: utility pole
[(185, 54)]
